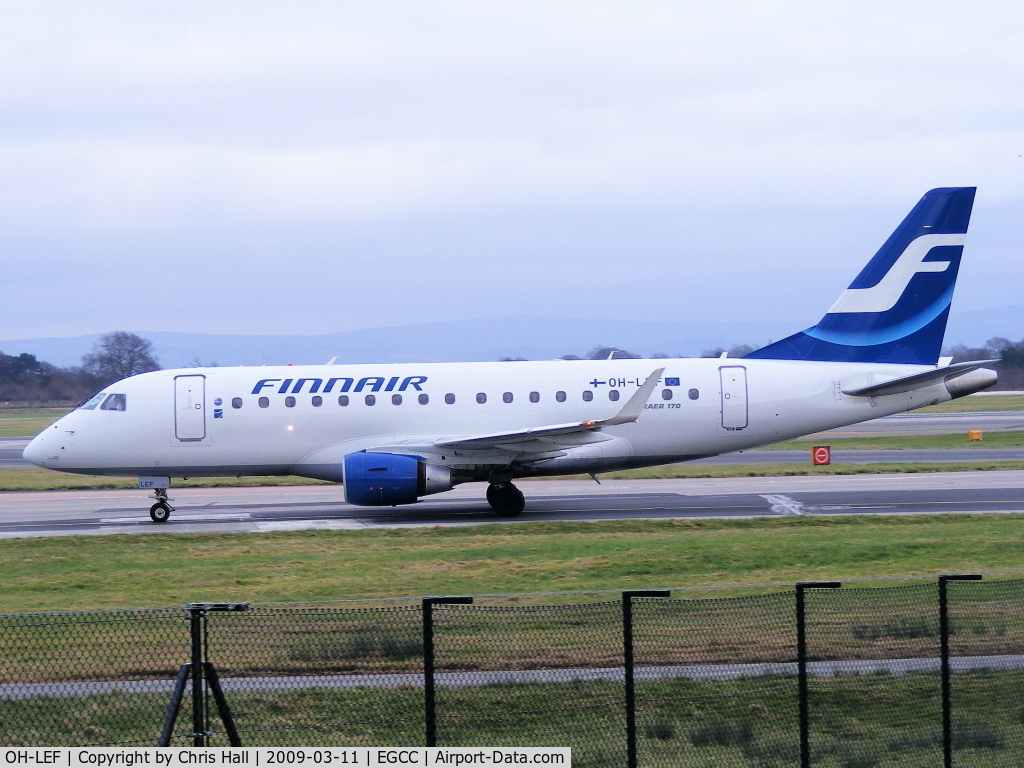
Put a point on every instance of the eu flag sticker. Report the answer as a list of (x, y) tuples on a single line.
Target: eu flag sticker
[(672, 381), (218, 413)]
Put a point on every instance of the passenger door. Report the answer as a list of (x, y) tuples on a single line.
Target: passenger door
[(190, 407), (734, 396)]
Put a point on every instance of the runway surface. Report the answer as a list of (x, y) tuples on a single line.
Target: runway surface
[(276, 508), (10, 452)]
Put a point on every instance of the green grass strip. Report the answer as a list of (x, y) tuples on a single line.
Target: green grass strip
[(898, 442), (165, 569)]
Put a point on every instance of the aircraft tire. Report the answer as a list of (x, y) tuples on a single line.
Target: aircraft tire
[(159, 512), (506, 500)]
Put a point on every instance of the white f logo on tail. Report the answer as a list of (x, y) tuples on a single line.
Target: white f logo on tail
[(883, 296)]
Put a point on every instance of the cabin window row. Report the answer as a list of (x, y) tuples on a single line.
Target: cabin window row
[(481, 397)]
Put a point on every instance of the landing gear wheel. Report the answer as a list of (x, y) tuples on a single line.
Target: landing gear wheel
[(159, 512), (506, 500)]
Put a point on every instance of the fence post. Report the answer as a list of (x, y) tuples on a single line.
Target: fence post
[(947, 728), (627, 647), (196, 613), (430, 713), (801, 661)]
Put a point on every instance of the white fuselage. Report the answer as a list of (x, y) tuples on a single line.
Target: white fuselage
[(701, 407)]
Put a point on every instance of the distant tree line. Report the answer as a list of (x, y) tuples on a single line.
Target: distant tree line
[(25, 380)]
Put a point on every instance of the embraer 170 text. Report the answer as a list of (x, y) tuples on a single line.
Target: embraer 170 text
[(394, 433)]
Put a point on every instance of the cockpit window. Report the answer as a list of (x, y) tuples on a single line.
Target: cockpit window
[(114, 403), (93, 401)]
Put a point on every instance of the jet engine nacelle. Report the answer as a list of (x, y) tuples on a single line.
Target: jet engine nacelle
[(389, 479)]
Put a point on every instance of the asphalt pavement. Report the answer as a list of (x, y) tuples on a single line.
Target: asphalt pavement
[(285, 508)]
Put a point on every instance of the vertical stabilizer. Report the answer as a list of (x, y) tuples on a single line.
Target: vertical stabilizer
[(895, 311)]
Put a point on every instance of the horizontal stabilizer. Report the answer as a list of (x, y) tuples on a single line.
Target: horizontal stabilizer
[(918, 380)]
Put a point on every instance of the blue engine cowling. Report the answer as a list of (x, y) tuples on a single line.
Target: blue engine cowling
[(388, 479)]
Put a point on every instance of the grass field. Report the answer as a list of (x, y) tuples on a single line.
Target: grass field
[(872, 721), (27, 422), (1010, 402), (35, 479), (897, 442), (86, 572)]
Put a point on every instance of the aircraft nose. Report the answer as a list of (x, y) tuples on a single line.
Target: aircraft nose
[(35, 451)]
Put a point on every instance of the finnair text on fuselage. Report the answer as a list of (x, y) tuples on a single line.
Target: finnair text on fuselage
[(345, 384)]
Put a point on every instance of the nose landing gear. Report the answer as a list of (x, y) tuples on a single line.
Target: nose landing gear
[(505, 499), (160, 511)]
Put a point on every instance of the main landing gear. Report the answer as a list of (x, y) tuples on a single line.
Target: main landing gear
[(160, 511), (505, 499)]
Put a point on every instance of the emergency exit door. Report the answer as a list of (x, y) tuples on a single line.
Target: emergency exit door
[(190, 408), (734, 396)]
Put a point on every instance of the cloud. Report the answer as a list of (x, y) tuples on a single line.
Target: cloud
[(241, 129)]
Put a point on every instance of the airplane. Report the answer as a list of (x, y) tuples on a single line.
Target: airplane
[(392, 434)]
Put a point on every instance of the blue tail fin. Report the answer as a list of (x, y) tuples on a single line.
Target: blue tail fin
[(896, 309)]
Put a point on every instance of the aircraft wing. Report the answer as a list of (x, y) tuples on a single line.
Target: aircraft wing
[(918, 380), (628, 413), (536, 440)]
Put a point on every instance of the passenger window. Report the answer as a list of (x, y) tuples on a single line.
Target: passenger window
[(424, 398), (371, 400), (236, 402), (449, 398), (694, 394), (396, 399), (93, 401), (560, 396), (342, 400), (666, 394), (289, 402), (535, 397), (481, 397), (507, 397), (317, 401), (587, 395), (114, 403), (613, 395), (264, 402)]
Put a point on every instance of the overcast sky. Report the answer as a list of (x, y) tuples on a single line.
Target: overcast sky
[(306, 167)]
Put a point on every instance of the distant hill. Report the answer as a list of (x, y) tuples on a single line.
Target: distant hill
[(531, 337)]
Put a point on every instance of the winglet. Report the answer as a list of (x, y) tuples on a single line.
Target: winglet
[(635, 405)]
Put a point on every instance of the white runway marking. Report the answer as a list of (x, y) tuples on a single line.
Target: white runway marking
[(213, 518), (783, 505), (303, 525)]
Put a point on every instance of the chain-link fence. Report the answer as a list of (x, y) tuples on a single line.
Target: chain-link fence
[(826, 676), (102, 677)]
